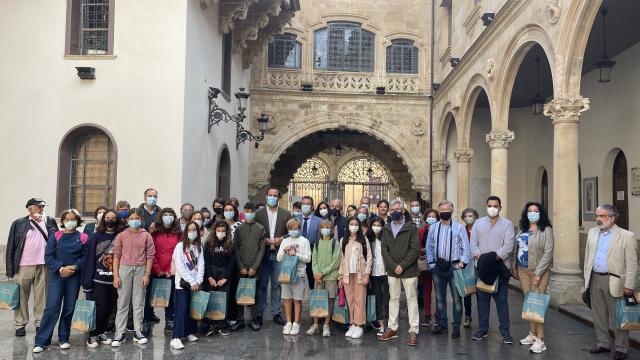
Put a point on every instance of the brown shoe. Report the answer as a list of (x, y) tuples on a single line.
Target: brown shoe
[(388, 335), (413, 339)]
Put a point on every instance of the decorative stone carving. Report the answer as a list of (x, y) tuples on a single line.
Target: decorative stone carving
[(464, 155), (283, 79), (343, 81), (277, 20), (566, 110), (254, 187), (423, 189), (207, 3), (230, 11), (440, 165), (402, 84), (554, 9), (417, 129), (500, 138), (488, 69)]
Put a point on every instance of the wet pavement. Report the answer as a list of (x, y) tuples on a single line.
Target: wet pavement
[(565, 339)]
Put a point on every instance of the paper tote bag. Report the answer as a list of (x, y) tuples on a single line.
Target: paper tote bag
[(371, 308), (199, 303), (627, 317), (288, 273), (319, 303), (161, 292), (488, 288), (246, 293), (340, 313), (535, 307), (9, 296), (84, 316), (217, 308), (465, 280)]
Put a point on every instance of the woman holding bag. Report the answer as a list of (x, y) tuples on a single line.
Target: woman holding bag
[(188, 260), (219, 264), (533, 259)]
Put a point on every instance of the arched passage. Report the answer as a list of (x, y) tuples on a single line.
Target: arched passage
[(224, 174)]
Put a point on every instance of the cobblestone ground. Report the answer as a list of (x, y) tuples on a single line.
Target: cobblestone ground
[(565, 339)]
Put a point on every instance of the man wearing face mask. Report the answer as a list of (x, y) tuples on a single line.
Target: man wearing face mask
[(25, 261), (610, 268), (185, 214), (365, 202), (339, 220), (123, 207), (149, 209), (274, 220), (416, 215), (400, 251), (491, 235), (309, 229)]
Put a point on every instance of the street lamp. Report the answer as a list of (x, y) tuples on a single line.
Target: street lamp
[(242, 99), (538, 103), (338, 149), (605, 64)]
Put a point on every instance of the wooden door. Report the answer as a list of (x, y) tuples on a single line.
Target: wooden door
[(620, 190)]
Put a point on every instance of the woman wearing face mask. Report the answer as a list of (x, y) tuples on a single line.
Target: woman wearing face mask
[(379, 283), (352, 211), (198, 218), (188, 260), (322, 211), (133, 256), (165, 238), (97, 275), (90, 228), (218, 206), (232, 218), (431, 217), (218, 266), (383, 210), (469, 216), (185, 214), (206, 214), (363, 217), (64, 256), (353, 275), (533, 257)]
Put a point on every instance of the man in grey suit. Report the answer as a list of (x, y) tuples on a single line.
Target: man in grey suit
[(610, 268), (274, 220), (309, 225)]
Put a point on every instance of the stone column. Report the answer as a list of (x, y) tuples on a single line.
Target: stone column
[(567, 282), (499, 140), (463, 157), (439, 190)]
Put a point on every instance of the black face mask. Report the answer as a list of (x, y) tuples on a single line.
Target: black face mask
[(446, 216), (396, 215), (218, 211), (334, 212), (110, 224)]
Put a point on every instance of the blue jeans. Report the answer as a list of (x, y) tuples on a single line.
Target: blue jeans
[(149, 310), (60, 292), (502, 305), (183, 324), (269, 272), (442, 278)]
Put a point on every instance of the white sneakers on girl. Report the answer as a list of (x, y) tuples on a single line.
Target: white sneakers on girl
[(350, 331), (313, 329), (287, 329), (538, 346), (295, 329), (38, 349), (529, 340), (326, 332), (176, 344), (357, 332), (65, 346), (192, 338)]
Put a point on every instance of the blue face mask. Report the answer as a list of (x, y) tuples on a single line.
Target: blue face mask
[(134, 223), (396, 215), (306, 209), (123, 214), (272, 200), (325, 231), (229, 215), (362, 217), (294, 233), (533, 216), (152, 200), (249, 217), (296, 213), (431, 220)]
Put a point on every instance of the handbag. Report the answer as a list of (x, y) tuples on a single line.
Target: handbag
[(160, 292), (199, 304), (217, 306), (488, 288), (9, 296), (535, 307), (288, 270), (84, 316), (465, 280), (340, 313), (586, 297), (627, 316), (319, 303), (246, 292)]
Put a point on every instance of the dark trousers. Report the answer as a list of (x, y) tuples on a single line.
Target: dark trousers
[(253, 308), (232, 306), (502, 305), (183, 324), (380, 288), (467, 306), (61, 292), (149, 310), (311, 280), (106, 297), (443, 279)]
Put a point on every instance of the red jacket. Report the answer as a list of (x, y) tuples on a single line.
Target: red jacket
[(165, 243), (422, 234)]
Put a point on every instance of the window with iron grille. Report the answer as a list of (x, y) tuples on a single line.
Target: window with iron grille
[(89, 27), (344, 46), (402, 57), (285, 52)]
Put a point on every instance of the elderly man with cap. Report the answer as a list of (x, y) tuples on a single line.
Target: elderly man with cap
[(25, 261)]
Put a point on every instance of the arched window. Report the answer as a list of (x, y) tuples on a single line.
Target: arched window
[(87, 170), (344, 46), (285, 52), (402, 57), (311, 179), (224, 175), (364, 177)]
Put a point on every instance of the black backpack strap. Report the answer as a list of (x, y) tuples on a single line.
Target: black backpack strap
[(39, 229)]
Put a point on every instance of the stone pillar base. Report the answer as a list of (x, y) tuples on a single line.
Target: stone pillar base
[(566, 286)]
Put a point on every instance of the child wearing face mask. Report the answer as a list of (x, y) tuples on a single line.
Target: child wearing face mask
[(292, 293), (188, 260), (325, 261), (379, 283), (218, 266)]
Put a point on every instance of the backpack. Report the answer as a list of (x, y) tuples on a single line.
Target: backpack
[(83, 237), (333, 245)]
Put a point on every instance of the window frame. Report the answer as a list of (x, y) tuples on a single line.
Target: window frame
[(226, 68), (410, 45), (73, 35), (296, 48), (345, 65)]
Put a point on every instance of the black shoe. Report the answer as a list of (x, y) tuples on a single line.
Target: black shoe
[(277, 319), (146, 329), (20, 332), (255, 324), (507, 339), (479, 335), (155, 319), (130, 327), (599, 350), (439, 330), (455, 334), (619, 355), (237, 326), (168, 326), (110, 327)]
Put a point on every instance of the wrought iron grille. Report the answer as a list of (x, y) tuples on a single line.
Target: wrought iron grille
[(95, 27), (402, 57), (285, 52), (344, 46)]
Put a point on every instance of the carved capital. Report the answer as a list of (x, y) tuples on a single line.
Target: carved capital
[(464, 155), (566, 110), (230, 11), (440, 165), (423, 189), (554, 9), (500, 138)]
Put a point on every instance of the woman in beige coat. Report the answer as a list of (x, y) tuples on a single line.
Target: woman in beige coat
[(533, 257)]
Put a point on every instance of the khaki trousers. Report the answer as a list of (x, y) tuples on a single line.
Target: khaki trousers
[(356, 295), (526, 282), (411, 292), (29, 276)]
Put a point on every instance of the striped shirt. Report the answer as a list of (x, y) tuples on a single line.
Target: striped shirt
[(448, 242)]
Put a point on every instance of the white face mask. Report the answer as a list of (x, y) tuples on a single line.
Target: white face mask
[(353, 228), (199, 222), (192, 235), (70, 225), (376, 229), (99, 217), (492, 212), (221, 235), (469, 220), (324, 212)]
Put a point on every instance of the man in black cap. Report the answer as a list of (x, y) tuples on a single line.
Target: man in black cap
[(25, 260)]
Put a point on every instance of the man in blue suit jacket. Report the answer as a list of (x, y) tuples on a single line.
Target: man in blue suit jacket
[(310, 229)]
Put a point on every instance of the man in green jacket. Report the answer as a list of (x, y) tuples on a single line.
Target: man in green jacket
[(400, 251)]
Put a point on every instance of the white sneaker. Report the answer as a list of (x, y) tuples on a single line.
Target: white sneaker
[(538, 347), (92, 342), (65, 346), (192, 338), (350, 331), (38, 349), (380, 331), (139, 338), (357, 332), (529, 340), (326, 332), (295, 329), (176, 344), (287, 329), (312, 330), (104, 339)]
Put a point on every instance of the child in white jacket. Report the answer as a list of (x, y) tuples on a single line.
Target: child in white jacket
[(294, 245)]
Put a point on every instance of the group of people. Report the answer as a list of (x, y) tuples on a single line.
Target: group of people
[(116, 258)]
